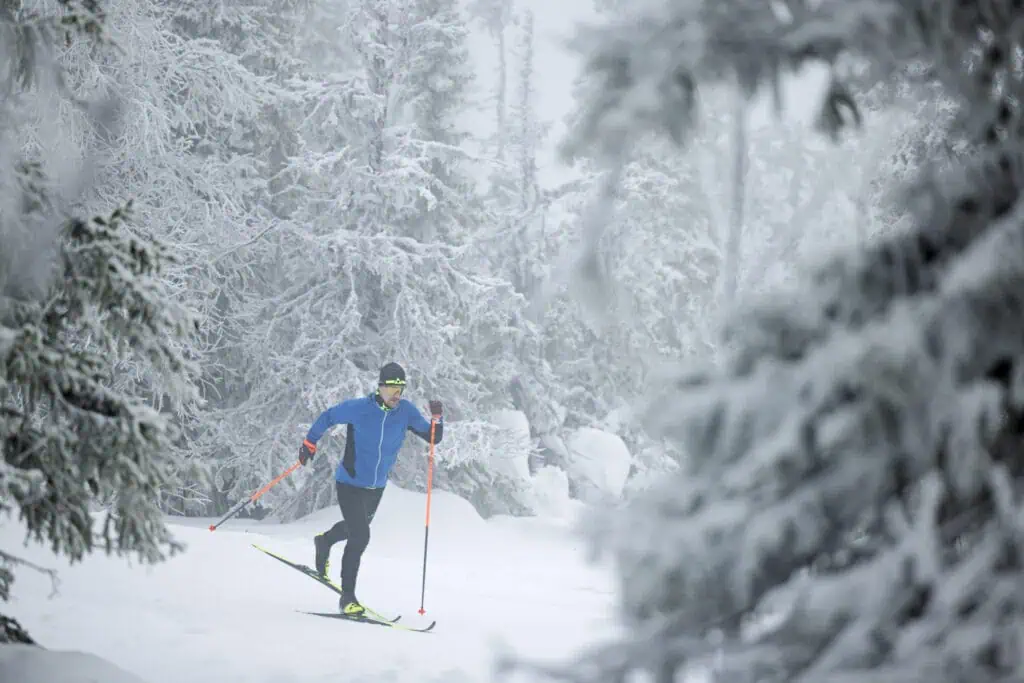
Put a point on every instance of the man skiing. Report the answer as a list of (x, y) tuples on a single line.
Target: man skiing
[(377, 424)]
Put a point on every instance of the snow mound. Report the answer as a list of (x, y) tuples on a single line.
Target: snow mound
[(515, 461), (21, 663), (599, 463)]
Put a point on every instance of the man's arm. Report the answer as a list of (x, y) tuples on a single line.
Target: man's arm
[(420, 426), (335, 415)]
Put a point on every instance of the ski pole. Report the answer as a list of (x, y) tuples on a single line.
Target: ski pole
[(426, 527), (253, 497)]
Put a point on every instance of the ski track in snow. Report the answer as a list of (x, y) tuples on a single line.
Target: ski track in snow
[(222, 611)]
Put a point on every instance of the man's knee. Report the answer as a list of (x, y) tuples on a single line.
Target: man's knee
[(359, 535)]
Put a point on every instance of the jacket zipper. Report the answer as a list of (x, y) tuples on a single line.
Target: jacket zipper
[(380, 452)]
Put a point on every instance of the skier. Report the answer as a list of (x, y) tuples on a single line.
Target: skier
[(376, 430)]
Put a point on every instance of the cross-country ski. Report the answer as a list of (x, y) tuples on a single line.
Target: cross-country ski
[(369, 615), (368, 619)]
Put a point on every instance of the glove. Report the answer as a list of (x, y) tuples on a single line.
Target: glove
[(435, 408), (306, 452)]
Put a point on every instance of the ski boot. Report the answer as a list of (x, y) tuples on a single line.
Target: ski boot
[(349, 605), (323, 555)]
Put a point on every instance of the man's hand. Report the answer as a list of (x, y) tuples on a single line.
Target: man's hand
[(306, 452), (435, 409)]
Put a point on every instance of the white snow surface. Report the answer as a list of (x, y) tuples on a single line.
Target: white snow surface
[(224, 612)]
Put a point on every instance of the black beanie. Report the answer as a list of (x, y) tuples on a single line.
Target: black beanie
[(392, 374)]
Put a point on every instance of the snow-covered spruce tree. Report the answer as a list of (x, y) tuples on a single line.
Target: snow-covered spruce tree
[(669, 234), (668, 244), (496, 15), (247, 453), (594, 372), (866, 421), (244, 131), (517, 242), (78, 300), (491, 478), (525, 240), (199, 99), (375, 262)]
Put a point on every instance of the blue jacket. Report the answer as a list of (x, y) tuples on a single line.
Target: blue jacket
[(375, 434)]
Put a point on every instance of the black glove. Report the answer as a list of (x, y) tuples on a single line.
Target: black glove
[(306, 452), (435, 408)]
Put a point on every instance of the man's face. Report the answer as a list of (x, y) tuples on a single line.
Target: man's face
[(390, 394)]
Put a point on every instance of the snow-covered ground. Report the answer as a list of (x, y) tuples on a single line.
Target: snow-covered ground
[(224, 612)]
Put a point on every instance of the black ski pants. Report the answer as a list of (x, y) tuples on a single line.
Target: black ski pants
[(358, 506)]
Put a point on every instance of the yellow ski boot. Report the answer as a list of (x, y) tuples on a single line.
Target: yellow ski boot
[(349, 606)]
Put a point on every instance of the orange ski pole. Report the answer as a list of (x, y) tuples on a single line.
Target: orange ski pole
[(426, 528), (253, 497)]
